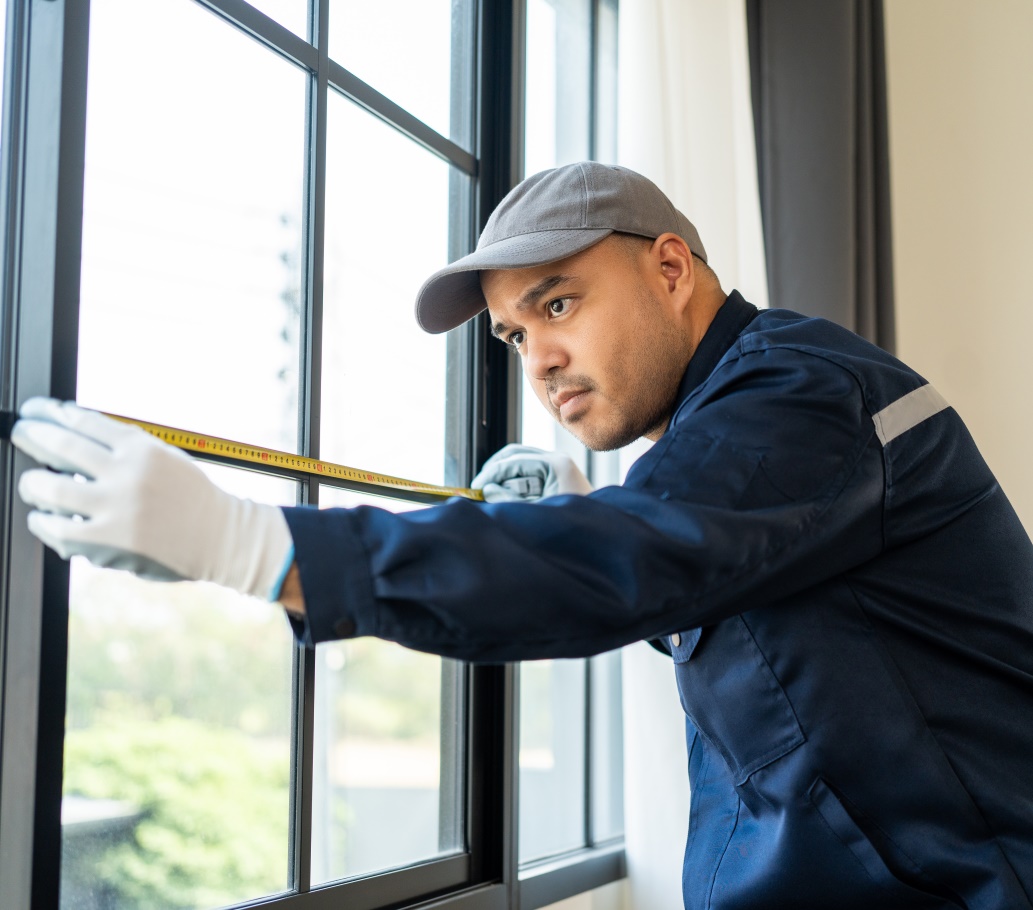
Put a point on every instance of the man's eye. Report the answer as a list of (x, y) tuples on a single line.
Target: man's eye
[(558, 306), (516, 339)]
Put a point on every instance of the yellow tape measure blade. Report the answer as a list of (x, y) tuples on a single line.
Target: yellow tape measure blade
[(204, 444)]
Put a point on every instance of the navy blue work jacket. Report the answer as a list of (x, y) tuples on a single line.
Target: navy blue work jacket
[(844, 590)]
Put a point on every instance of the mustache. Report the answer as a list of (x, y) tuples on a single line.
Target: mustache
[(556, 384)]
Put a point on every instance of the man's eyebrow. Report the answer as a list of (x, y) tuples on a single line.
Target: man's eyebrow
[(530, 297)]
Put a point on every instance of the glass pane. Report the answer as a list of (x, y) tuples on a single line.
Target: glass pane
[(417, 52), (178, 742), (192, 225), (607, 748), (552, 757), (606, 82), (387, 229), (558, 96), (387, 772), (556, 118), (290, 13)]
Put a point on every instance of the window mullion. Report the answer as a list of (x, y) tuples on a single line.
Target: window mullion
[(299, 861), (494, 738), (310, 371), (310, 379), (589, 783)]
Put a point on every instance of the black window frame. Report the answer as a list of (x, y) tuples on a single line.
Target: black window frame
[(41, 198)]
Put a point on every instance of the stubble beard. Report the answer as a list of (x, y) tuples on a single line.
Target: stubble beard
[(647, 410), (649, 418)]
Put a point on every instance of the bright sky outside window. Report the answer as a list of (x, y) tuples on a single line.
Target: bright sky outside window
[(558, 83), (606, 82), (192, 224), (387, 217), (409, 50)]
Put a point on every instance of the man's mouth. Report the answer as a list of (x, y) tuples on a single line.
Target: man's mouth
[(570, 401)]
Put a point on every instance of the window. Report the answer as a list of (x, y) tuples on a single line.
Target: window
[(571, 769), (198, 198)]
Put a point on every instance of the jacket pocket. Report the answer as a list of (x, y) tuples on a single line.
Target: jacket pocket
[(733, 698), (682, 644), (849, 833)]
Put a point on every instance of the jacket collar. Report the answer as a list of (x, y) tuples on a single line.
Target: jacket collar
[(733, 316)]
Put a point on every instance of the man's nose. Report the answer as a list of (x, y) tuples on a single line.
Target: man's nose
[(542, 355)]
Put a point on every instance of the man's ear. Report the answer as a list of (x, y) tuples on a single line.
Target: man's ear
[(677, 269)]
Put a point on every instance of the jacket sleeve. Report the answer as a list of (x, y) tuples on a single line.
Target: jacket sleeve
[(769, 481)]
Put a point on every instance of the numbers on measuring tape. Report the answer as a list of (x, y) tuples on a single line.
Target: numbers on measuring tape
[(213, 445)]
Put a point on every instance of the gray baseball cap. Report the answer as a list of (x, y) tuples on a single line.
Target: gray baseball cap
[(547, 217)]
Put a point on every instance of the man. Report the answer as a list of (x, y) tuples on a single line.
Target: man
[(844, 589)]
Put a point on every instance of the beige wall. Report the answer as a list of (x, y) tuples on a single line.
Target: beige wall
[(960, 77)]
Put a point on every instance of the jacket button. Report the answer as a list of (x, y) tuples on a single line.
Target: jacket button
[(675, 640), (344, 628)]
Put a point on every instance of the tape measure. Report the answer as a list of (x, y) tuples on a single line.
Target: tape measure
[(227, 450)]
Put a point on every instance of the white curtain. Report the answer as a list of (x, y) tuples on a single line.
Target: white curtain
[(685, 121)]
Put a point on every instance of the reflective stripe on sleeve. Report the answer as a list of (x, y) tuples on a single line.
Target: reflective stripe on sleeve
[(907, 412)]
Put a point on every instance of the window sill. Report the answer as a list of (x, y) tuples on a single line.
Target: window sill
[(558, 878)]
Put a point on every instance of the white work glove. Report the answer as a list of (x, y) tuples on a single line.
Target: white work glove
[(524, 474), (141, 505)]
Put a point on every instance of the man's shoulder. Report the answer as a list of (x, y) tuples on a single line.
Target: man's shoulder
[(783, 353), (819, 340), (777, 327)]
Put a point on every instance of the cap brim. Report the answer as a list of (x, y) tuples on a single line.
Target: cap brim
[(453, 295)]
